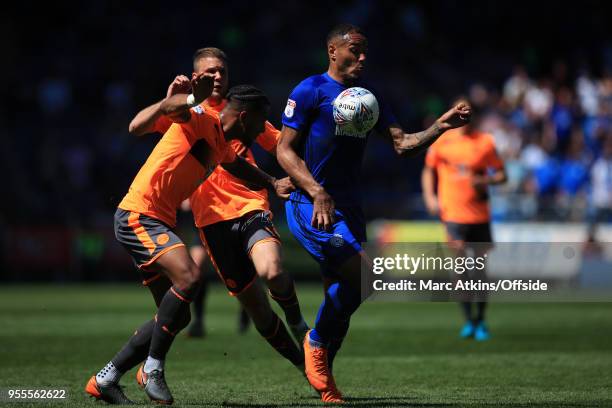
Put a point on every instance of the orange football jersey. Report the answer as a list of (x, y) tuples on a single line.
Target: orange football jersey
[(456, 158), (224, 197), (180, 162)]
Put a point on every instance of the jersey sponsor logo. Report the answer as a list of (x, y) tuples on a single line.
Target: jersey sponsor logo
[(462, 169), (344, 131), (290, 108)]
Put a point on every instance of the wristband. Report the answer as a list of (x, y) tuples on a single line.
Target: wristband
[(191, 101)]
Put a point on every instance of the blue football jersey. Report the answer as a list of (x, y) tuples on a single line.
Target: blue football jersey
[(332, 156)]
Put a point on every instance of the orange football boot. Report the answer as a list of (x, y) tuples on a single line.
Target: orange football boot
[(318, 374)]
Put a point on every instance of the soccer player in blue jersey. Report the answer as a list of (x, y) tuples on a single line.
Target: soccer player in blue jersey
[(324, 213)]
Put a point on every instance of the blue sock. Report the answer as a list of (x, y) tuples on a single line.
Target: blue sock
[(336, 342), (340, 302)]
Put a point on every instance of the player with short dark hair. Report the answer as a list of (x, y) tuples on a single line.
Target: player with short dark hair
[(184, 157), (324, 213), (231, 215)]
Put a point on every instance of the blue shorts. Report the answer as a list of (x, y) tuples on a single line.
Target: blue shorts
[(329, 249)]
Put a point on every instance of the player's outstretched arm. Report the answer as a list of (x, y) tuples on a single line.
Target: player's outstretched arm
[(144, 121), (323, 214), (254, 175), (179, 104), (411, 144)]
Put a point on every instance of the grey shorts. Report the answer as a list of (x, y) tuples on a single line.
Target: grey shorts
[(145, 239), (229, 245)]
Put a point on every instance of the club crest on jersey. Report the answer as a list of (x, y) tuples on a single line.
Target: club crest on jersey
[(198, 109), (289, 109)]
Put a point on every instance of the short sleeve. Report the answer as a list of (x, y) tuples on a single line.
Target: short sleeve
[(192, 129), (269, 138), (208, 127), (186, 130), (299, 106), (162, 124)]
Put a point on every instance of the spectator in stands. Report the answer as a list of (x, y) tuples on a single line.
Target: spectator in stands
[(601, 183)]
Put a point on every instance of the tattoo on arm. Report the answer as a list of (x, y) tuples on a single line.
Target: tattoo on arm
[(413, 143), (428, 135)]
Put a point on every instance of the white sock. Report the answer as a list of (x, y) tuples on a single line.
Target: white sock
[(153, 364), (109, 374)]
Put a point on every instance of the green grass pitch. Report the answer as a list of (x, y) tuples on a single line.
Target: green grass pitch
[(396, 354)]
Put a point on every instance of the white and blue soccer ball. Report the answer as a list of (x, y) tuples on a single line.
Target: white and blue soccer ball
[(355, 112)]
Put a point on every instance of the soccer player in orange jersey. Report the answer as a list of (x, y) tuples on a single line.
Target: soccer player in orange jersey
[(186, 155), (235, 222), (465, 163), (212, 61)]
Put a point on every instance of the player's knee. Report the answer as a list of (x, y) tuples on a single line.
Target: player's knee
[(188, 278), (270, 269), (198, 254)]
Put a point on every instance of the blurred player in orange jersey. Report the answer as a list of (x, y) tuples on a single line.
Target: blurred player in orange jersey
[(465, 164), (235, 222), (181, 161)]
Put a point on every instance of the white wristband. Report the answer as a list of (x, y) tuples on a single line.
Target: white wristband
[(191, 101)]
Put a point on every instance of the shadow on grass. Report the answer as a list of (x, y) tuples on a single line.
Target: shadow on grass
[(403, 401), (393, 401)]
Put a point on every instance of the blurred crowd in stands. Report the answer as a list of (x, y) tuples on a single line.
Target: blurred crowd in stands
[(555, 135), (73, 83)]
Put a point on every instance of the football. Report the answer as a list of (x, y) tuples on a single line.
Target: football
[(355, 112)]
